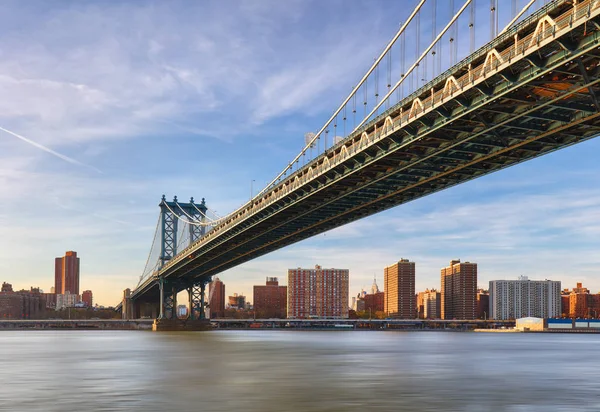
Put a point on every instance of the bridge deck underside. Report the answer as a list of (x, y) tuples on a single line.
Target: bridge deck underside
[(537, 105)]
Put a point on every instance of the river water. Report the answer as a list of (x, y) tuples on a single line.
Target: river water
[(297, 371)]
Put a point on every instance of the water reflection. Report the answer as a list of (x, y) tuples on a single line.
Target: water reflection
[(297, 371)]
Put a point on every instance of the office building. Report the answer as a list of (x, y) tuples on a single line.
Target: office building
[(521, 298), (216, 299), (458, 291), (318, 293), (270, 300), (87, 298), (66, 274), (399, 285)]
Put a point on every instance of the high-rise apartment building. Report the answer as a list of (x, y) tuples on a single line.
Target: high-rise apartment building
[(431, 304), (399, 285), (87, 298), (318, 293), (459, 290), (270, 300), (513, 299), (66, 274), (216, 299)]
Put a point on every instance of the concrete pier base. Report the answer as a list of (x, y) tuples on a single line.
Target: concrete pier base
[(176, 325)]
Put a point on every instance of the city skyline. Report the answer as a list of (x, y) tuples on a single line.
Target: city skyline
[(102, 201)]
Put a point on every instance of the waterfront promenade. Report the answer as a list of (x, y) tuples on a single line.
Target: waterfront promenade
[(114, 324)]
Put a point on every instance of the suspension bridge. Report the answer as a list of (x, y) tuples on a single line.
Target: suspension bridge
[(453, 96)]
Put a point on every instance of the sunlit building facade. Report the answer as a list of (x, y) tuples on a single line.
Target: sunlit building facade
[(399, 285), (459, 291), (216, 299), (318, 293), (66, 274), (270, 300)]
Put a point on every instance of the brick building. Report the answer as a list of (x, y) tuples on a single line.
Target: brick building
[(399, 285), (66, 274), (483, 304), (270, 300), (375, 302), (371, 302), (24, 304), (318, 293), (87, 298), (565, 303), (216, 299), (583, 304), (459, 291)]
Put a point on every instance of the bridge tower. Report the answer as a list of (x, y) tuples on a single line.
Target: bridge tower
[(172, 214)]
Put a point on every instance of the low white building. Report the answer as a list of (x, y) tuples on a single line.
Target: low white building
[(513, 299), (529, 324)]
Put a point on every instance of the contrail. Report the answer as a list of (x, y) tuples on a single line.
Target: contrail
[(48, 150)]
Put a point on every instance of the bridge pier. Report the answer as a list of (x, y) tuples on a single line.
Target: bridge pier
[(127, 305), (167, 319), (197, 304), (180, 325), (168, 299)]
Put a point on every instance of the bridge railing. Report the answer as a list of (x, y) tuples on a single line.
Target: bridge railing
[(398, 117)]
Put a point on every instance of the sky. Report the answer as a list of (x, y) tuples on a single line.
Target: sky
[(109, 105)]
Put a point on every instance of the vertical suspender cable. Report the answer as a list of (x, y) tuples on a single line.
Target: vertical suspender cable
[(497, 15), (410, 70), (492, 19), (433, 28), (472, 27), (376, 84), (417, 49), (424, 72), (344, 119), (389, 79), (452, 37), (433, 31), (402, 61), (365, 98), (354, 110)]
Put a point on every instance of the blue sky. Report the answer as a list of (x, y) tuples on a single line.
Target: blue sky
[(198, 99)]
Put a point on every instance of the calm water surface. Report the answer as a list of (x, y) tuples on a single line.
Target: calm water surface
[(297, 371)]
